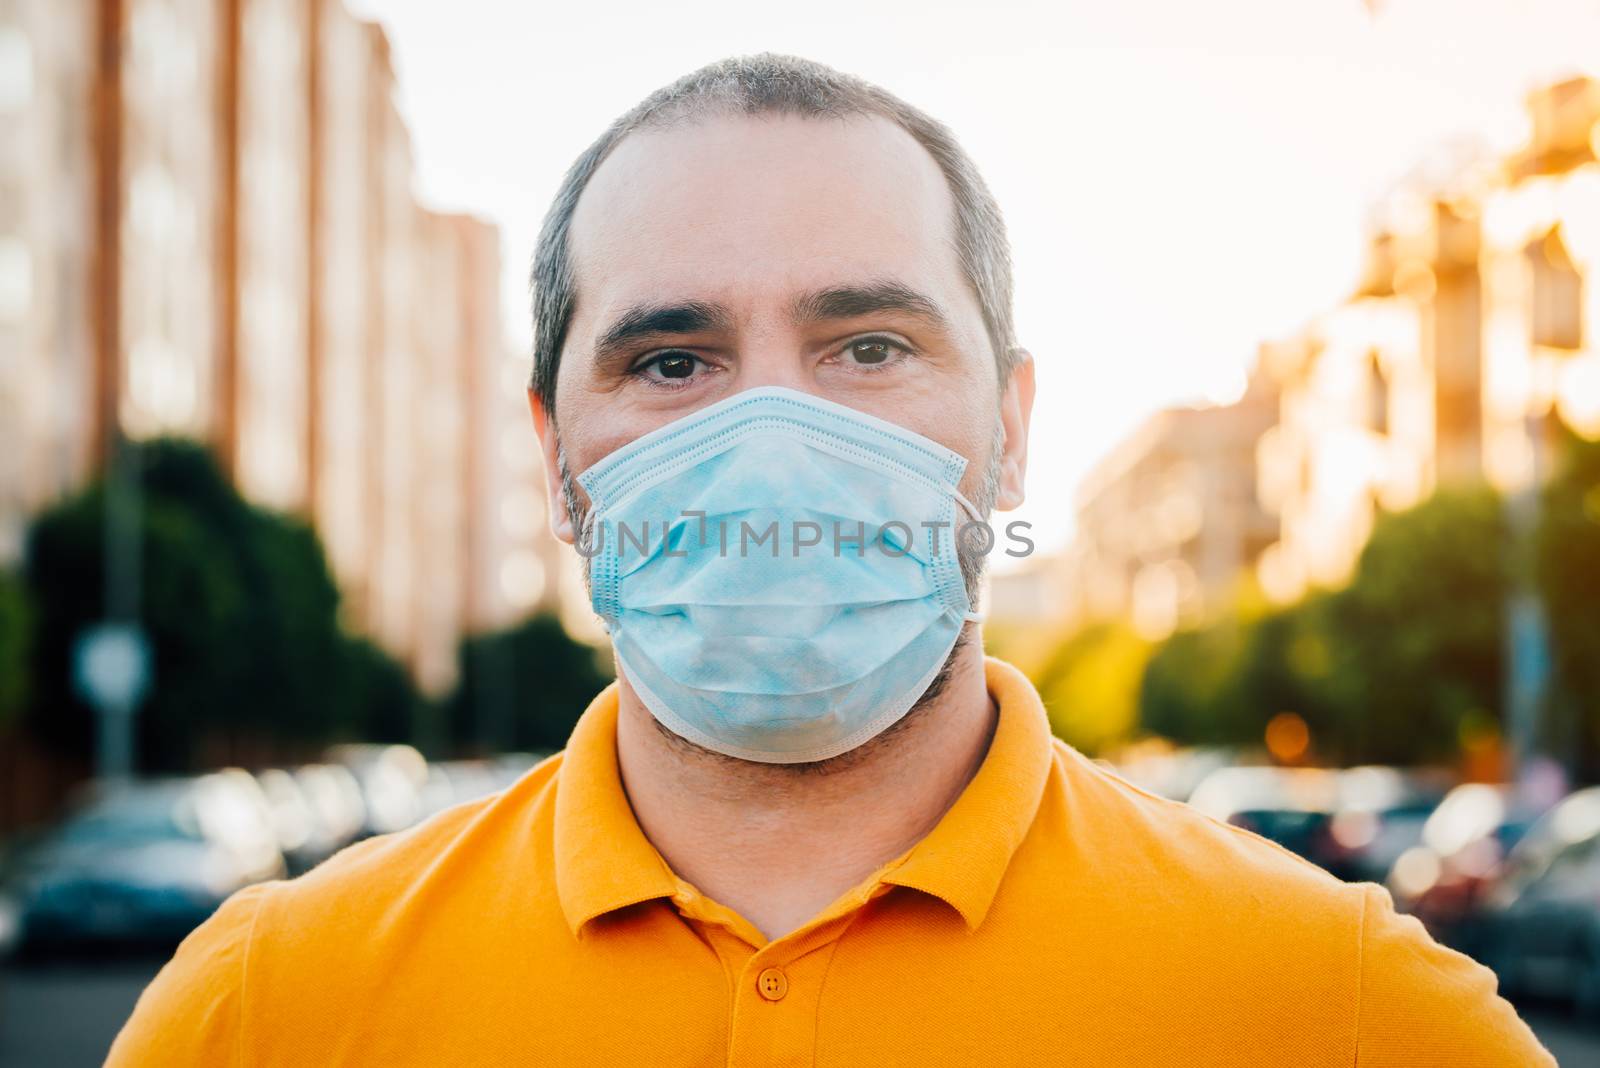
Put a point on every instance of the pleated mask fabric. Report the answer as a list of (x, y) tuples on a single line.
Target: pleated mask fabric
[(778, 572)]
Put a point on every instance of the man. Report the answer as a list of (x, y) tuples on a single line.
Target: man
[(810, 823)]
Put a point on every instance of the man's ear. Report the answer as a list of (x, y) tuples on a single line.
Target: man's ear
[(1016, 411), (560, 522)]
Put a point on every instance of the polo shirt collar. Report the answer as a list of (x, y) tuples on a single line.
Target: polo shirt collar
[(962, 860), (604, 862)]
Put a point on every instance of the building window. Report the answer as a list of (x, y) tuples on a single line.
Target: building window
[(16, 279), (16, 71), (1557, 293), (1377, 399)]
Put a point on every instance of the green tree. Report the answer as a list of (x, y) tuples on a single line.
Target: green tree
[(383, 704), (190, 600), (1090, 686), (1416, 639), (1568, 569), (1392, 668), (1286, 664), (296, 674), (16, 637), (238, 602), (1221, 683), (1181, 695), (523, 687)]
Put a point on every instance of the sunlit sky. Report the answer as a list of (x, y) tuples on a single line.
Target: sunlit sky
[(1180, 180)]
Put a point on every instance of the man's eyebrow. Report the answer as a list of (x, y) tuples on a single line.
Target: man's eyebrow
[(850, 301), (652, 320)]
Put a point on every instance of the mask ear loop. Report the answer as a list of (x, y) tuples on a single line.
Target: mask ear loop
[(970, 617)]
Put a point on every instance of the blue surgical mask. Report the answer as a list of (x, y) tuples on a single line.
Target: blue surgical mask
[(778, 573)]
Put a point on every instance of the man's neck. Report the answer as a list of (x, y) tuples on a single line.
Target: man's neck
[(777, 843)]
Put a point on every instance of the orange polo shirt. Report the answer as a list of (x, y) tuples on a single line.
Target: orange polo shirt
[(1055, 915)]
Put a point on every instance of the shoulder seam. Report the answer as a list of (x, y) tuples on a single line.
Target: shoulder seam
[(244, 971), (1361, 974)]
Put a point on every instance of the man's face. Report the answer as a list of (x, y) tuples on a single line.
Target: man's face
[(739, 252)]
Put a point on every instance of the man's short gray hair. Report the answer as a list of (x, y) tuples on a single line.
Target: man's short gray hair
[(769, 83)]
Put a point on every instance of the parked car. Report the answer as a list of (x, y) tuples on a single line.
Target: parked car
[(1442, 879), (10, 920), (1172, 773), (438, 791), (1379, 814), (451, 782), (311, 828), (509, 767), (335, 799), (392, 780), (147, 860), (1542, 918), (1290, 806)]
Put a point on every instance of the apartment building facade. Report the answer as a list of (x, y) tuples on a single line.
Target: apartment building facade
[(210, 229)]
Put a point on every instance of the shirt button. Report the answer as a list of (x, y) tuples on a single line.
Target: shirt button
[(772, 984)]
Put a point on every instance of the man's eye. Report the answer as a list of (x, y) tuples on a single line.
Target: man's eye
[(669, 366), (874, 351)]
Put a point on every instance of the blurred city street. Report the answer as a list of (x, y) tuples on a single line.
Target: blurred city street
[(66, 1014), (1438, 850), (1314, 473)]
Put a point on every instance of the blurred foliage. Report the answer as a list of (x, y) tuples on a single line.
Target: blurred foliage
[(239, 605), (1185, 691), (1090, 686), (524, 687), (1393, 668), (384, 705), (1568, 569), (1024, 645), (1418, 638), (16, 638), (1221, 684)]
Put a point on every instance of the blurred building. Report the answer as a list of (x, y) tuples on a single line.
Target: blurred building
[(1355, 432), (485, 555), (1472, 330), (1540, 264), (1170, 519), (516, 563), (268, 234), (348, 75), (48, 373), (1027, 594), (1382, 396), (396, 385), (160, 153), (208, 228)]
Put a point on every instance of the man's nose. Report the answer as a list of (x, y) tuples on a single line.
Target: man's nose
[(775, 360)]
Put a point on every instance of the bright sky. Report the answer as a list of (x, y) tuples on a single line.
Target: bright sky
[(1180, 180)]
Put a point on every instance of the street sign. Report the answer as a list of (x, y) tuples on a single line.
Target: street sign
[(111, 670), (111, 664)]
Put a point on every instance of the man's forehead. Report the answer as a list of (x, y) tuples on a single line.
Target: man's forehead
[(761, 205)]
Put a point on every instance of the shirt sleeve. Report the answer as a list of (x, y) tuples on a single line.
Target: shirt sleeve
[(1423, 1004), (190, 1013)]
